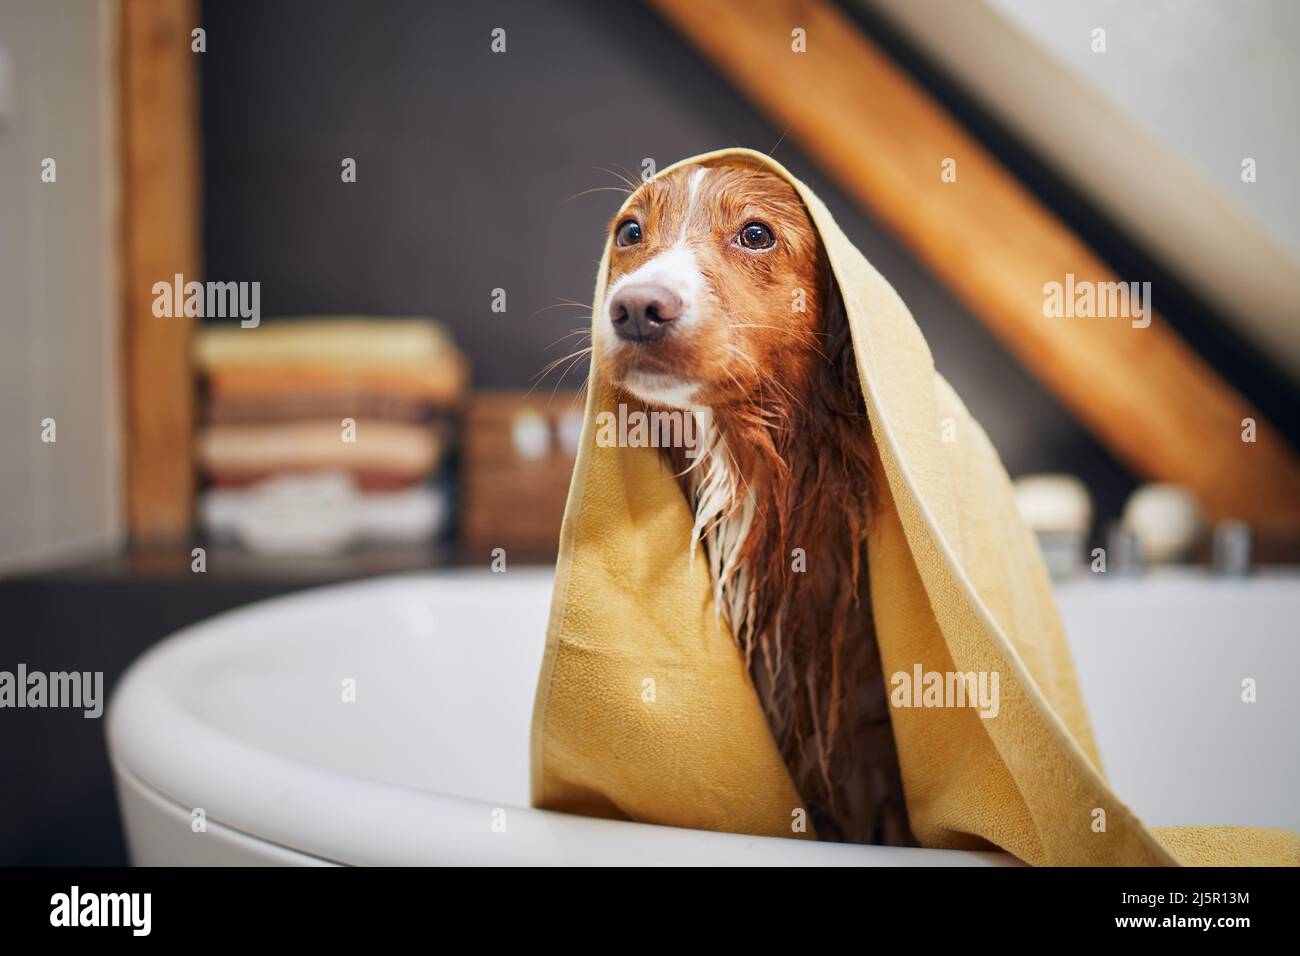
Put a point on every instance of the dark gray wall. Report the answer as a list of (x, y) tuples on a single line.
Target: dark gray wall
[(466, 164)]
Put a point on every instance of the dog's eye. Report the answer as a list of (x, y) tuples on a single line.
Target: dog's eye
[(628, 233), (755, 235)]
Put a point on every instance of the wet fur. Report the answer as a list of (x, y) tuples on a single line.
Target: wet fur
[(788, 425)]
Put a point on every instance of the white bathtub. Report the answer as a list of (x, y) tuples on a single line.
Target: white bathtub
[(242, 717), (1162, 659)]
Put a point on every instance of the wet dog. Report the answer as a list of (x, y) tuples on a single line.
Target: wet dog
[(720, 303)]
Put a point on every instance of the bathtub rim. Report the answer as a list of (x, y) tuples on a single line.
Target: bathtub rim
[(156, 739)]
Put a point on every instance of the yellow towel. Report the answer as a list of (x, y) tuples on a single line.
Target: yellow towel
[(237, 454), (439, 386), (644, 709), (341, 356), (337, 342)]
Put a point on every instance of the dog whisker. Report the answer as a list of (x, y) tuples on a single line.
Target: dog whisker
[(625, 177), (600, 189), (551, 366)]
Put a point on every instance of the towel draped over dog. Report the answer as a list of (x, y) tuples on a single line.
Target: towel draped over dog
[(645, 710)]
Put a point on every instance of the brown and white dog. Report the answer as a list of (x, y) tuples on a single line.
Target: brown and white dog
[(720, 302)]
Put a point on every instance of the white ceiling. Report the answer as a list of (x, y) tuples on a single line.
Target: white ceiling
[(1154, 130)]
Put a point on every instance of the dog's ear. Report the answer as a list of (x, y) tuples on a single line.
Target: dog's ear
[(839, 341), (843, 388)]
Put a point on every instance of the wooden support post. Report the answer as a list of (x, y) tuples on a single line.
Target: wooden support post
[(160, 220)]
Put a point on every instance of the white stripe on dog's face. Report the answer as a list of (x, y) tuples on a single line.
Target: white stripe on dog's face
[(677, 269), (692, 201)]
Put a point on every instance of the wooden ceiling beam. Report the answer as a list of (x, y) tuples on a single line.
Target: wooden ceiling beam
[(1159, 408)]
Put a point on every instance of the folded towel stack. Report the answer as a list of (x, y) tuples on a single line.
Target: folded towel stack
[(318, 432)]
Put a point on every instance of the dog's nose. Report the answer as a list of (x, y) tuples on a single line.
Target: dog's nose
[(642, 313)]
